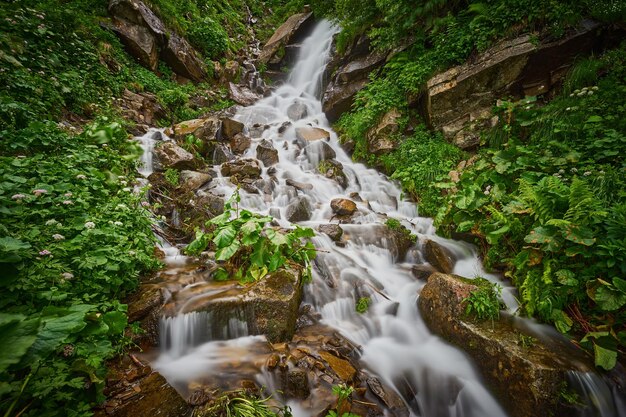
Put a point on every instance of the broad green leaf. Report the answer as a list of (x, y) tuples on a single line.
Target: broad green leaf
[(260, 254), (199, 244), (225, 236), (566, 277), (277, 238), (609, 299), (12, 250), (250, 239), (276, 260), (604, 358), (116, 320), (561, 320), (17, 335), (594, 119), (620, 284), (220, 220), (492, 237), (580, 235), (544, 236), (249, 227), (227, 252)]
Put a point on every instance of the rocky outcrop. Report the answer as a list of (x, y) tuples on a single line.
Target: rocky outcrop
[(206, 129), (192, 180), (459, 101), (288, 34), (230, 127), (350, 72), (242, 168), (142, 108), (242, 95), (299, 210), (528, 379), (240, 143), (146, 38), (379, 139)]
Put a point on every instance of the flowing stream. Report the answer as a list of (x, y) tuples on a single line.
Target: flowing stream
[(434, 378)]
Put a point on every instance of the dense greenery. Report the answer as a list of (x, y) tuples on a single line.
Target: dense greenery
[(73, 240), (247, 249), (550, 204), (484, 302)]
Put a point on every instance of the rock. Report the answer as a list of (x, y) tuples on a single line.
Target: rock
[(257, 129), (295, 28), (149, 395), (183, 59), (526, 379), (222, 154), (422, 272), (232, 71), (319, 151), (379, 138), (240, 143), (333, 170), (173, 156), (266, 153), (297, 111), (388, 397), (343, 206), (139, 42), (296, 384), (284, 127), (141, 108), (344, 370), (338, 98), (439, 257), (334, 231), (299, 210), (137, 13), (206, 129), (242, 95), (310, 134), (230, 127), (269, 306), (299, 185), (144, 307), (459, 100), (242, 168), (209, 204), (192, 180)]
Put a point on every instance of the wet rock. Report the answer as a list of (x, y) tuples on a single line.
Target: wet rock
[(266, 153), (310, 134), (294, 29), (284, 127), (526, 379), (209, 204), (144, 307), (379, 138), (183, 59), (319, 151), (297, 111), (338, 98), (222, 154), (299, 185), (192, 180), (139, 42), (299, 210), (439, 257), (296, 384), (343, 206), (242, 168), (240, 143), (334, 231), (141, 108), (231, 127), (173, 156), (257, 129), (232, 71), (333, 170), (242, 95), (342, 368), (148, 395), (388, 397), (206, 129), (198, 397), (422, 272), (269, 306), (264, 186)]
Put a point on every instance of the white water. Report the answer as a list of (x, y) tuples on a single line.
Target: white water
[(435, 379)]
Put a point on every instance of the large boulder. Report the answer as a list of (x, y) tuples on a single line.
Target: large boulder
[(292, 31), (240, 143), (142, 108), (242, 95), (318, 151), (192, 180), (242, 168), (137, 13), (139, 42), (173, 156), (439, 257), (333, 169), (333, 231), (458, 101), (297, 111), (299, 210), (269, 306), (527, 378), (230, 127), (206, 129), (343, 206), (183, 58), (379, 138)]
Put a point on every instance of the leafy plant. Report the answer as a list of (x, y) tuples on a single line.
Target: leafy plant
[(484, 302), (363, 305), (248, 249), (343, 393), (172, 176)]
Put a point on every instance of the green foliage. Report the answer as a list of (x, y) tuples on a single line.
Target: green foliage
[(344, 399), (209, 36), (363, 305), (172, 176), (78, 241), (421, 164), (484, 302), (243, 404), (248, 250), (550, 203)]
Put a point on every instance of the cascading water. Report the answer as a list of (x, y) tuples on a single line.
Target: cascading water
[(434, 379)]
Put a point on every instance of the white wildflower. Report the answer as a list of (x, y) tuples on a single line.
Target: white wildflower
[(57, 236), (90, 225)]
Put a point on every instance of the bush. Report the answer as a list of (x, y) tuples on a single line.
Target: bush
[(209, 36)]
